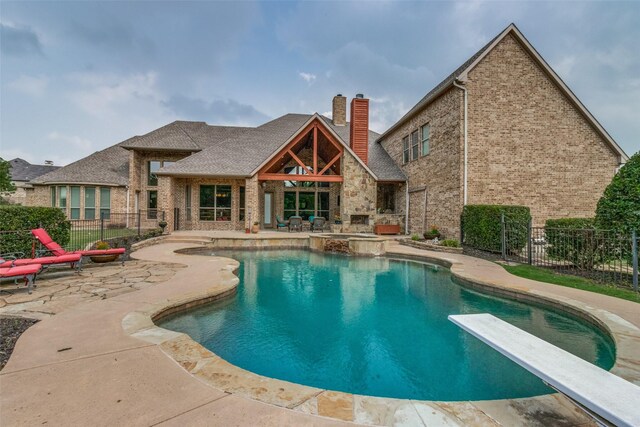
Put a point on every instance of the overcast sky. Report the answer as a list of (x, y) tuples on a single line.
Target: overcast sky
[(77, 77)]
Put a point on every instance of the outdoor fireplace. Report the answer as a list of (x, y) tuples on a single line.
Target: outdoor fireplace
[(359, 219)]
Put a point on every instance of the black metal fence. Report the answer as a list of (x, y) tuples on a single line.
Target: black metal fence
[(83, 233), (606, 256)]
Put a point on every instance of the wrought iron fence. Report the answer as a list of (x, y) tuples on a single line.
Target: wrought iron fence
[(606, 256), (84, 232)]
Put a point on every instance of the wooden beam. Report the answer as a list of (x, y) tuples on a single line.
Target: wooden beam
[(296, 140), (302, 165), (331, 139), (328, 165), (315, 150), (290, 177)]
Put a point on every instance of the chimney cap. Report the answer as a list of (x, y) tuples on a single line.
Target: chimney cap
[(359, 96), (339, 94)]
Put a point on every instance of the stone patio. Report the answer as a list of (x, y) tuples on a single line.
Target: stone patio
[(60, 289)]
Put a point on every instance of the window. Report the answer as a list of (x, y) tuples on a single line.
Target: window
[(415, 142), (241, 210), (89, 203), (62, 198), (152, 204), (215, 203), (386, 198), (405, 149), (187, 201), (75, 202), (306, 204), (105, 202), (53, 196), (289, 204), (425, 140), (152, 168)]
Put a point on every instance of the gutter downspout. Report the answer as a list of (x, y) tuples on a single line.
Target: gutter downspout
[(464, 89), (128, 205)]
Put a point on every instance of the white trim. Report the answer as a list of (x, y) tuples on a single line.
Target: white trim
[(335, 135), (466, 144)]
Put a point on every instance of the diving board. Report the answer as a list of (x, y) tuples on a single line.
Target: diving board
[(608, 398)]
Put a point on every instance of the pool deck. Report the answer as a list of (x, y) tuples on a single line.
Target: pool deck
[(103, 361)]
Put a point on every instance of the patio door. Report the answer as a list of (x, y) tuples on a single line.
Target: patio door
[(267, 216)]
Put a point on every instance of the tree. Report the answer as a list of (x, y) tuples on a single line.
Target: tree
[(619, 207), (5, 177)]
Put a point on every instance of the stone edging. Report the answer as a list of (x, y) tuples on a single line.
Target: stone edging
[(215, 371)]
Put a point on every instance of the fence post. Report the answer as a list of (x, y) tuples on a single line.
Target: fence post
[(634, 249), (139, 220), (101, 225), (529, 242), (503, 237)]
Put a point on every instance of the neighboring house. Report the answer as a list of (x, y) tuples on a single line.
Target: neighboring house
[(21, 173), (502, 129)]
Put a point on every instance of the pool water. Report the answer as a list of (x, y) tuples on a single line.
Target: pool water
[(374, 326)]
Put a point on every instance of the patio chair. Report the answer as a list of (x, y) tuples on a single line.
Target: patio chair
[(28, 272), (295, 223), (280, 224), (57, 250), (318, 224)]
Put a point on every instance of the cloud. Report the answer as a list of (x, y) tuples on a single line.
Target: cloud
[(220, 111), (71, 141), (104, 95), (30, 85), (19, 41), (307, 77)]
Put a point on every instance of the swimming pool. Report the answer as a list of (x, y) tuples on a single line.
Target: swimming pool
[(373, 326)]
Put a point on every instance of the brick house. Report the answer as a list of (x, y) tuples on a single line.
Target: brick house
[(21, 173), (501, 129)]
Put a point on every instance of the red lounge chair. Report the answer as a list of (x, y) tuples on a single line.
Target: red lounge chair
[(46, 240), (72, 259), (28, 272)]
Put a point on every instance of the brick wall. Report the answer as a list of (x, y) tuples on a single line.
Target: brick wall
[(40, 195), (439, 173), (528, 145), (359, 194)]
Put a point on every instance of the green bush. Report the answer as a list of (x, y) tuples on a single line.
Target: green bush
[(16, 222), (575, 240), (619, 207), (415, 237), (481, 226), (450, 243)]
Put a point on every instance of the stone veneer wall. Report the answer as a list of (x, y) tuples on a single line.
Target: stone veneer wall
[(528, 145), (358, 195), (440, 172)]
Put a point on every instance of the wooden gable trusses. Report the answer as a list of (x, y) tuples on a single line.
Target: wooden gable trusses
[(272, 170)]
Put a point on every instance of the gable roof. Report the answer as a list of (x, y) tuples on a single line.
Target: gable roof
[(242, 155), (461, 74), (21, 170)]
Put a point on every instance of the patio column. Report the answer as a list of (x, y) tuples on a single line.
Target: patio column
[(252, 201), (166, 191)]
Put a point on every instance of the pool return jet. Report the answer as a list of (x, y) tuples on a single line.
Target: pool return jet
[(607, 398)]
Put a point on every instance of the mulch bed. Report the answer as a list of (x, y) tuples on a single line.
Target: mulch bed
[(12, 328)]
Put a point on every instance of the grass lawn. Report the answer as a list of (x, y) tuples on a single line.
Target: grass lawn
[(80, 238), (548, 276)]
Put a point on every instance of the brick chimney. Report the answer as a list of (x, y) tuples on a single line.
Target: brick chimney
[(339, 110), (359, 132)]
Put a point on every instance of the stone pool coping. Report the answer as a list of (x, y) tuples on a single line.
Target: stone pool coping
[(216, 372)]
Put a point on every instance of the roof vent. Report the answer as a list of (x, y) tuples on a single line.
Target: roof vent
[(48, 162), (359, 96)]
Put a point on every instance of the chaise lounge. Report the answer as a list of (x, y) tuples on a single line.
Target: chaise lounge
[(43, 237), (28, 272)]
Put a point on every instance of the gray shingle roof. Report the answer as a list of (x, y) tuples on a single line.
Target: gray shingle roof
[(170, 137), (109, 166), (21, 170), (242, 155)]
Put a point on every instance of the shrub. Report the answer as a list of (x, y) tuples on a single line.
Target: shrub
[(575, 240), (619, 207), (22, 219), (450, 243), (415, 237), (482, 229), (102, 245)]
